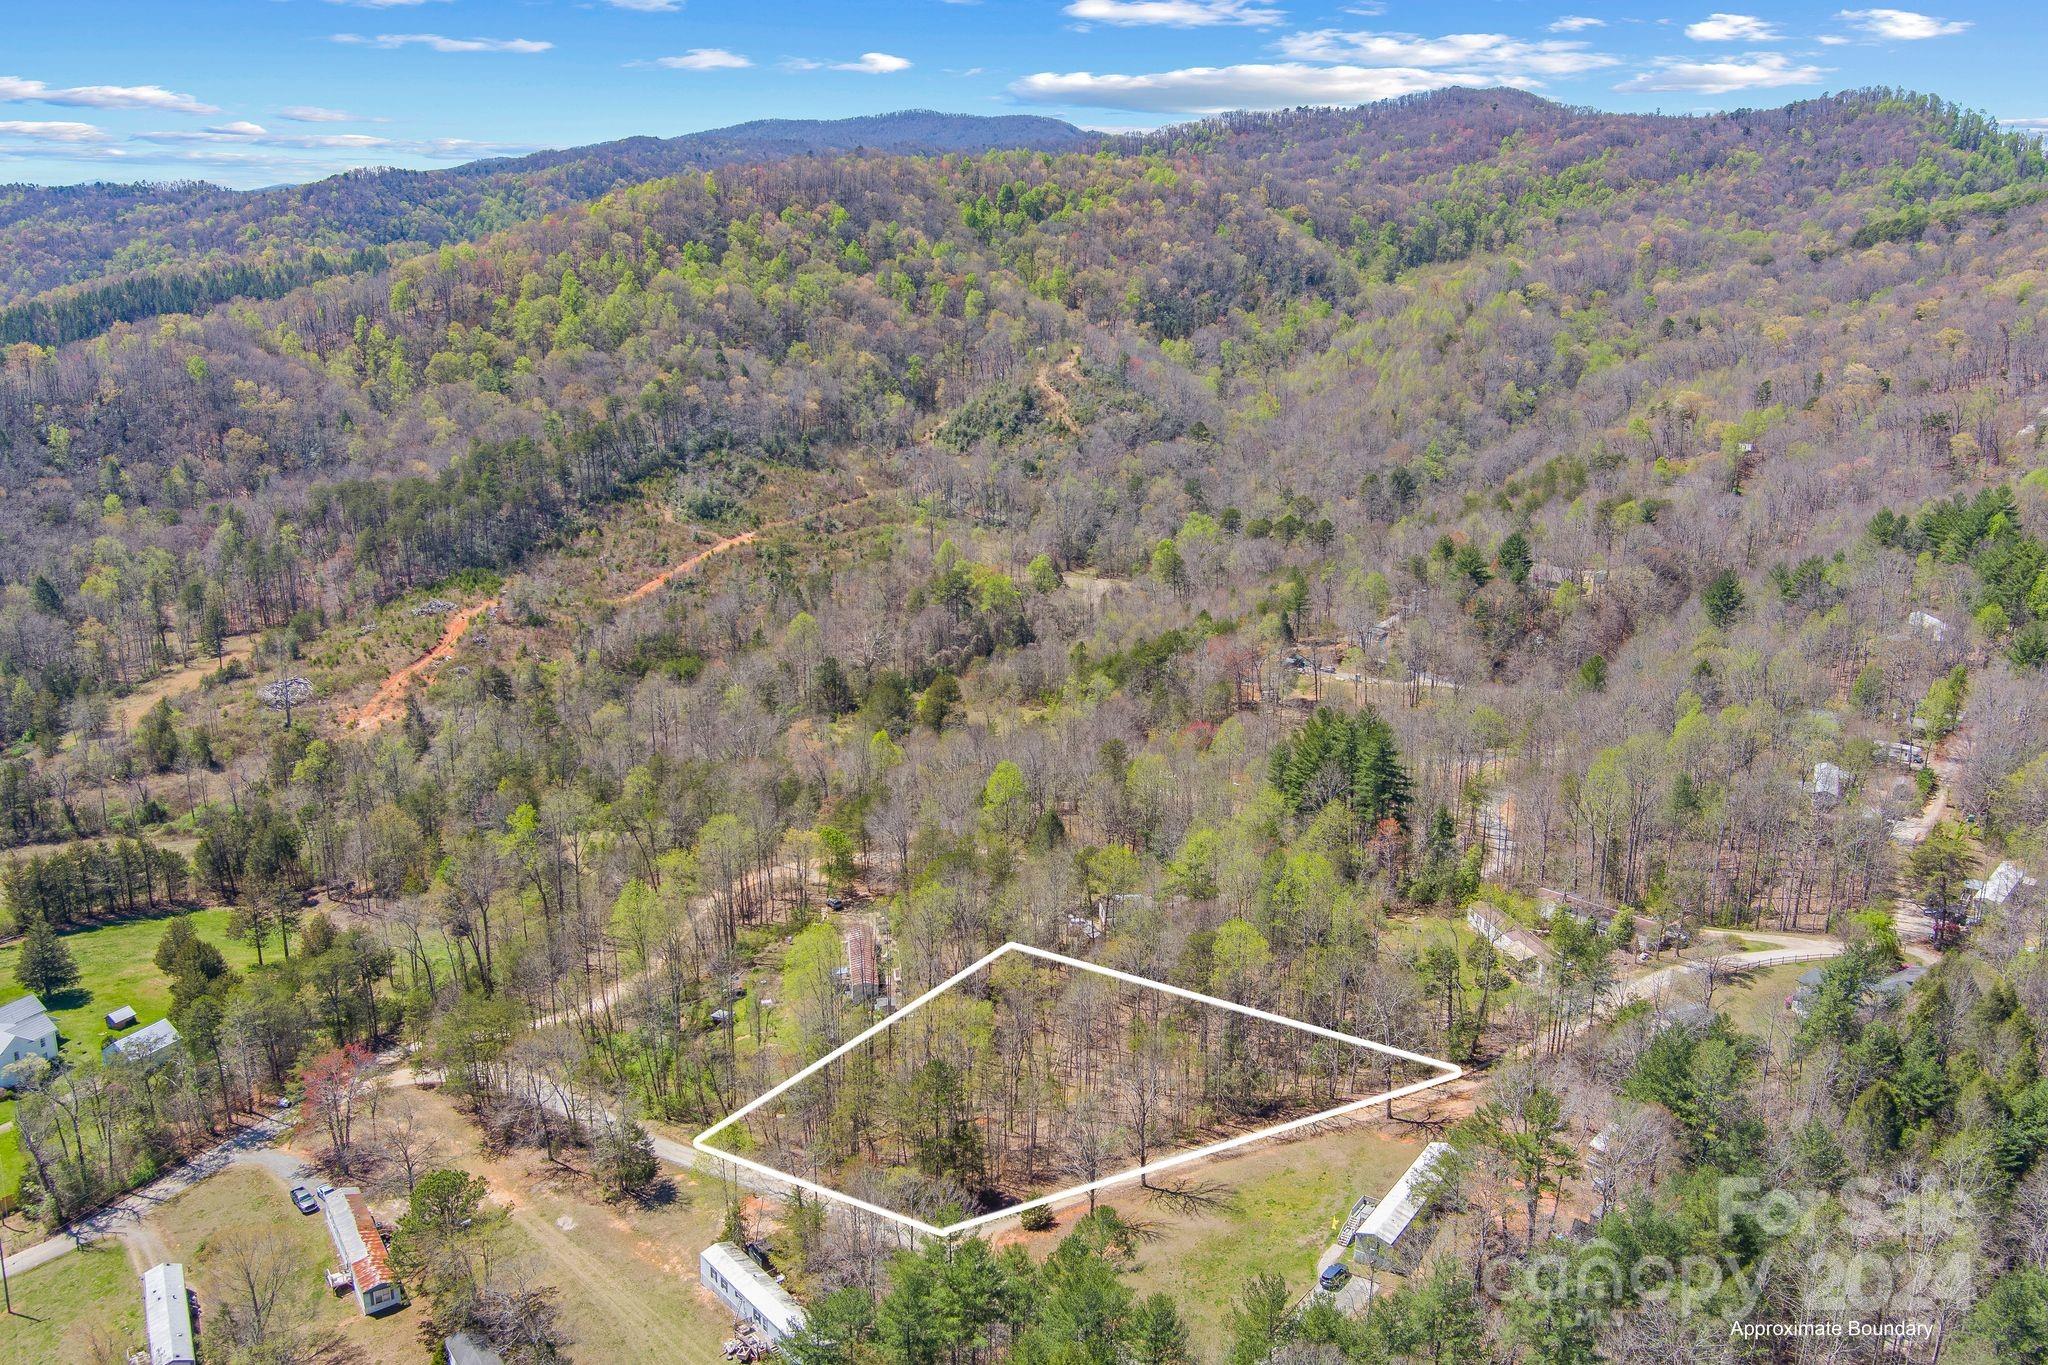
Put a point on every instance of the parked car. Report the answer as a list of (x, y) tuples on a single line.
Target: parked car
[(303, 1199), (1333, 1277)]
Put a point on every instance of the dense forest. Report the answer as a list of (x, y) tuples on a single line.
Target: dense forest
[(75, 259), (1239, 554)]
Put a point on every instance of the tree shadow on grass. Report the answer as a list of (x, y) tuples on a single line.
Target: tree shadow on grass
[(1191, 1198)]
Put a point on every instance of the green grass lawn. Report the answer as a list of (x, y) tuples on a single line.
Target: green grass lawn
[(1282, 1206), (201, 1228), (1752, 1004), (114, 969), (62, 1310)]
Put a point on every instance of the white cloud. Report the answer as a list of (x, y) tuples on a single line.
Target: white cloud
[(647, 6), (245, 134), (2025, 125), (704, 59), (1733, 28), (441, 44), (67, 133), (20, 90), (1494, 54), (1215, 89), (1176, 13), (1757, 71), (1901, 24), (869, 64), (313, 113), (1574, 23), (1832, 40)]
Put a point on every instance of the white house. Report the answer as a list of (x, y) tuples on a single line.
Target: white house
[(749, 1291), (360, 1248), (1383, 1238), (167, 1315), (26, 1031), (1511, 940), (1829, 781), (2005, 879), (143, 1043)]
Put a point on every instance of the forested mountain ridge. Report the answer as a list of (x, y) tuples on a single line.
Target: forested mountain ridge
[(74, 259), (1250, 556)]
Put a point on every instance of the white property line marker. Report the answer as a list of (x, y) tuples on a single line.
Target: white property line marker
[(1449, 1071)]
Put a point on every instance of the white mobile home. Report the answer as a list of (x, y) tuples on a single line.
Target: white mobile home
[(167, 1315), (1384, 1238), (360, 1248), (749, 1291)]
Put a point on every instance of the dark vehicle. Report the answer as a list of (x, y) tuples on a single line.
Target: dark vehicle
[(303, 1199), (1333, 1277)]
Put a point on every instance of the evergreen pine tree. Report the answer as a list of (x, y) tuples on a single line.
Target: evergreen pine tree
[(45, 964)]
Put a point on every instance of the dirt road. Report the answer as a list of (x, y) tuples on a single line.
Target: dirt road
[(681, 567), (719, 547), (252, 1146), (387, 703)]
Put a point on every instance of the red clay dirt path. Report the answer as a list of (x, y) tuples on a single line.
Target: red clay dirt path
[(681, 567), (387, 703), (719, 547)]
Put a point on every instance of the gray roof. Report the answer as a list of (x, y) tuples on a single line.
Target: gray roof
[(26, 1018), (466, 1350), (1406, 1199), (167, 1314), (143, 1042)]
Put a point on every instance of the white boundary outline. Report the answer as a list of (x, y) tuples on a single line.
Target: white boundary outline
[(1449, 1072)]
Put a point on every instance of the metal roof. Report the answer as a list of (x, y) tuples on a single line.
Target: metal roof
[(756, 1285), (144, 1041), (26, 1018), (1407, 1199), (167, 1314), (356, 1239)]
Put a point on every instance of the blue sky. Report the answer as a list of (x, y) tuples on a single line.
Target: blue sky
[(252, 92)]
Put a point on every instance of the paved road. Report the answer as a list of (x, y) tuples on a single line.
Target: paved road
[(251, 1146)]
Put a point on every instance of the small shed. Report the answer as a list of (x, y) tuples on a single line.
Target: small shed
[(123, 1017)]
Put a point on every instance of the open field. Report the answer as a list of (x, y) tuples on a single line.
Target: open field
[(210, 1226), (66, 1310), (628, 1275), (1754, 1003), (177, 683), (114, 968), (1278, 1208)]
